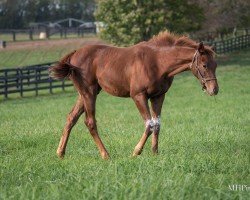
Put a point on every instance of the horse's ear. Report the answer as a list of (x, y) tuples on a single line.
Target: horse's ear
[(201, 47)]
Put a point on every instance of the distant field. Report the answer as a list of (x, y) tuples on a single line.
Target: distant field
[(25, 36), (29, 53), (204, 144)]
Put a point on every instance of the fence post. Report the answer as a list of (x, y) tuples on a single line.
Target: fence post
[(222, 36), (14, 35), (65, 33), (6, 84), (231, 44), (61, 32), (47, 32), (78, 32), (215, 46), (82, 32), (248, 40), (17, 79), (243, 41), (223, 47), (240, 42), (21, 83), (235, 32), (50, 85), (36, 88), (28, 78), (246, 31), (31, 34), (63, 85)]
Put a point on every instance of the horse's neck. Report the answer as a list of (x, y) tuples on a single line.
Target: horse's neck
[(175, 60)]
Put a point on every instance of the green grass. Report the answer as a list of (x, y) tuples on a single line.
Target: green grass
[(24, 57), (8, 37), (204, 144)]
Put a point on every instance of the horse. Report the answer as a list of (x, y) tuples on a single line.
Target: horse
[(143, 72)]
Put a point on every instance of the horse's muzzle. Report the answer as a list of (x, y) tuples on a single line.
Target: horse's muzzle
[(211, 91)]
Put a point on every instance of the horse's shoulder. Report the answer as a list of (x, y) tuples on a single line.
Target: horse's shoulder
[(142, 51)]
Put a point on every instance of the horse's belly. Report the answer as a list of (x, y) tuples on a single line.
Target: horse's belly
[(113, 87)]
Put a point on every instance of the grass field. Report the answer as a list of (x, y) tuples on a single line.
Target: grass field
[(18, 54), (8, 37), (204, 144)]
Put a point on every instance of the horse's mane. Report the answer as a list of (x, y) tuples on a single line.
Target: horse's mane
[(167, 38)]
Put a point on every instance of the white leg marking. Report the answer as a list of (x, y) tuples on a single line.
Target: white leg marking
[(150, 123), (157, 123)]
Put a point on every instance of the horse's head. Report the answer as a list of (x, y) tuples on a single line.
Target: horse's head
[(203, 66)]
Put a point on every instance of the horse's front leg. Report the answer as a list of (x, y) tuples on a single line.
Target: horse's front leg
[(156, 104), (141, 102)]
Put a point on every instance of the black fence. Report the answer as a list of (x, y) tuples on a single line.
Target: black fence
[(219, 35), (26, 79), (230, 45)]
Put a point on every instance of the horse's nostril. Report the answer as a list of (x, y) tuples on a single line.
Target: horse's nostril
[(215, 90)]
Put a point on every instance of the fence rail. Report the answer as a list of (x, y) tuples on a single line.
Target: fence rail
[(31, 34), (230, 45), (220, 35), (31, 78)]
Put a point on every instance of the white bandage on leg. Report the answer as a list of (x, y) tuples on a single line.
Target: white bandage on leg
[(157, 123), (153, 123), (150, 123)]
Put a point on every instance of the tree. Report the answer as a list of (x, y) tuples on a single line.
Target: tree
[(183, 16), (130, 21), (19, 13), (224, 14), (11, 14)]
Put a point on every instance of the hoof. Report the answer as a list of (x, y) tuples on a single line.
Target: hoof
[(134, 155), (155, 152), (105, 156), (137, 152), (60, 154)]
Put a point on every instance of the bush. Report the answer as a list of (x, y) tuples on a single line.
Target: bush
[(130, 21)]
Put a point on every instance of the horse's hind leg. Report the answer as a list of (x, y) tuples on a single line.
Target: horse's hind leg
[(72, 118), (90, 121)]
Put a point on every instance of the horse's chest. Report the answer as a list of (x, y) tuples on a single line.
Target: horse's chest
[(159, 87)]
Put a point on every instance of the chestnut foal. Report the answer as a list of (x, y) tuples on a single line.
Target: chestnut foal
[(143, 72)]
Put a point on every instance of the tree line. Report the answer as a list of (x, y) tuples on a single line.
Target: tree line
[(16, 14), (131, 21)]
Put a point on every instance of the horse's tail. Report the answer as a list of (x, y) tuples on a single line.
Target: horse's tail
[(63, 68)]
